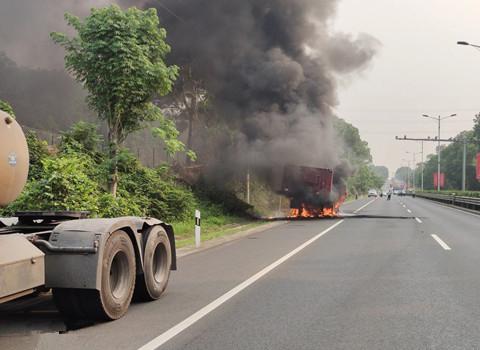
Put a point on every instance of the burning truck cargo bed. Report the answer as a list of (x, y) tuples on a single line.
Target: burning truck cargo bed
[(313, 192)]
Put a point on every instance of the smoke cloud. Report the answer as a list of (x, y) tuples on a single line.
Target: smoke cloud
[(271, 65)]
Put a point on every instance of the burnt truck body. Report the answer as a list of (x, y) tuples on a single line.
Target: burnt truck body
[(311, 189), (93, 266)]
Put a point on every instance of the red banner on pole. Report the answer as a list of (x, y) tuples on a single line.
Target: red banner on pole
[(442, 180), (478, 166)]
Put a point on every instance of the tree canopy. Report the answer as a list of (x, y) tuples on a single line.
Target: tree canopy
[(119, 56), (357, 153)]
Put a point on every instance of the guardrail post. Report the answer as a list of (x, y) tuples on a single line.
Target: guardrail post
[(197, 229)]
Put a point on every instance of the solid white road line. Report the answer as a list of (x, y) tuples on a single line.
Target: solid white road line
[(364, 206), (180, 327), (418, 220), (460, 210), (439, 241), (409, 211)]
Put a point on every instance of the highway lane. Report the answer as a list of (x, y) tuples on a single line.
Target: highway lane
[(372, 282), (369, 284)]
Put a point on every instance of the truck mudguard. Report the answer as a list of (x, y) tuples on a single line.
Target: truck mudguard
[(83, 270)]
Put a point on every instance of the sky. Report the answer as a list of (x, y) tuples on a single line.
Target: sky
[(419, 70)]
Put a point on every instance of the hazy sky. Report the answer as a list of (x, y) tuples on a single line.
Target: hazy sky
[(419, 70)]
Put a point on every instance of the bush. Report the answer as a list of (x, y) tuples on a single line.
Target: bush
[(122, 205), (74, 178), (38, 151), (64, 184), (157, 191)]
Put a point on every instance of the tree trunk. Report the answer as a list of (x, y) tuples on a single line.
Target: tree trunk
[(188, 161), (113, 153)]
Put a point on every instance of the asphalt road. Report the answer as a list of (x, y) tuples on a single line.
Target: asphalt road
[(399, 274)]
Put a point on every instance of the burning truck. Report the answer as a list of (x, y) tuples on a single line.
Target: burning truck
[(313, 192)]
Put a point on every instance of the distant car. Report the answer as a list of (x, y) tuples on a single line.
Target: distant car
[(372, 193)]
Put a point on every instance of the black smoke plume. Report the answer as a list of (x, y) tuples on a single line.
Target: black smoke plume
[(272, 67)]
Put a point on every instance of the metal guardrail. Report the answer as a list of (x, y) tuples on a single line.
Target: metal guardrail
[(471, 203)]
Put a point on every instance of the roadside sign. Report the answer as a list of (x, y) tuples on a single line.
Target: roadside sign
[(442, 180)]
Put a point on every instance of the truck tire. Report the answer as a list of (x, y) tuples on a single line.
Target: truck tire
[(117, 285), (157, 262)]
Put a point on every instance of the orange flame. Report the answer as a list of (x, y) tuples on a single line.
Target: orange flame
[(308, 212)]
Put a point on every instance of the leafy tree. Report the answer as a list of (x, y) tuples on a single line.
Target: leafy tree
[(404, 174), (364, 180), (119, 56), (5, 106), (381, 171), (356, 150), (38, 151), (82, 137), (476, 129), (185, 104), (357, 153)]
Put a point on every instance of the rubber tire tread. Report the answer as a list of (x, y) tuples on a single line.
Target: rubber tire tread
[(141, 289), (86, 304)]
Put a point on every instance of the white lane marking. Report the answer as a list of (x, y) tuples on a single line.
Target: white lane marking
[(439, 241), (409, 211), (418, 220), (364, 206), (403, 205), (180, 327)]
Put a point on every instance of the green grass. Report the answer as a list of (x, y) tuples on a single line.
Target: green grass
[(212, 227)]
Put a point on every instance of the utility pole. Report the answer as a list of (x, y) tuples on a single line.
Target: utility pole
[(464, 165), (248, 185), (422, 164), (438, 119)]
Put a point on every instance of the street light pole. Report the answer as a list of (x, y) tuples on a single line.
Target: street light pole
[(422, 166), (438, 119), (464, 165), (468, 44), (464, 169)]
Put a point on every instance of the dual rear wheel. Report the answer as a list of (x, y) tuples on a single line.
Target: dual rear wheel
[(119, 278)]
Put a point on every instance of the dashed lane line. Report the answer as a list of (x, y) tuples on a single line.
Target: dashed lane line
[(418, 220), (439, 241), (364, 206)]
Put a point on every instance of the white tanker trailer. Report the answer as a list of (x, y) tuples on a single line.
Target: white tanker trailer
[(92, 266)]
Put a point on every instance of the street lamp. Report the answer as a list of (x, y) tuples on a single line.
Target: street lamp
[(465, 43), (464, 171), (438, 119)]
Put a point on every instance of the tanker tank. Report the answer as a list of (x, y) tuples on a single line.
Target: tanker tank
[(14, 159)]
